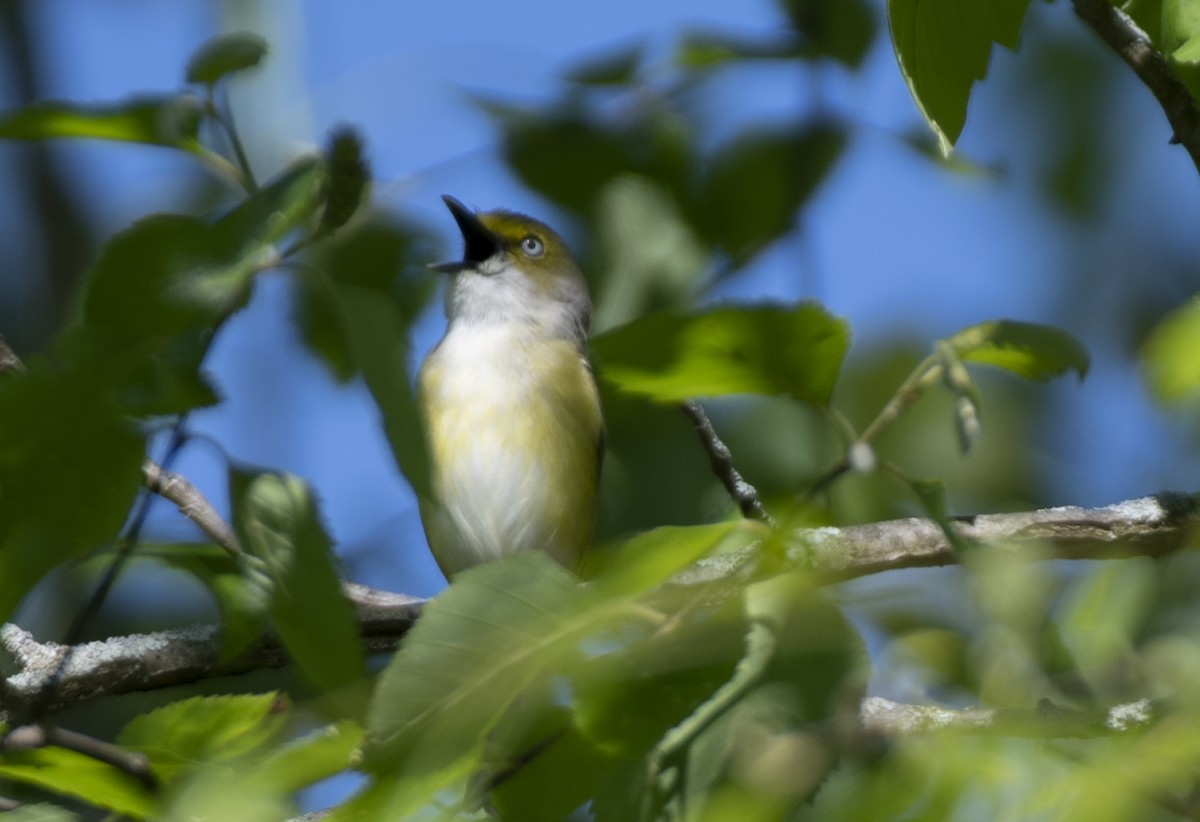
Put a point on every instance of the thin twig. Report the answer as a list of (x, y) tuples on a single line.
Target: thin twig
[(30, 737), (1133, 45), (192, 504), (742, 492)]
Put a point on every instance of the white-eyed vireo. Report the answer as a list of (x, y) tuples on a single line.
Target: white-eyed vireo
[(510, 404)]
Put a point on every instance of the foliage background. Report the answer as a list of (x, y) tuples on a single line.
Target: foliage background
[(1071, 208)]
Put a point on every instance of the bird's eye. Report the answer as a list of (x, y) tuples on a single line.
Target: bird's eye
[(532, 246)]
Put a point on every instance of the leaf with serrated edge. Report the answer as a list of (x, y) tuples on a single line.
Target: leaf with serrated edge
[(943, 47)]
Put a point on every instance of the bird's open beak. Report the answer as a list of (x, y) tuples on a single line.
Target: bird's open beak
[(478, 243)]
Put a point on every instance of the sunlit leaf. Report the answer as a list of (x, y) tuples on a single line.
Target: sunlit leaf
[(162, 121), (476, 647), (277, 522), (795, 351), (1036, 352), (205, 728), (754, 186), (652, 557), (80, 777), (943, 47), (316, 756), (225, 54), (1169, 357)]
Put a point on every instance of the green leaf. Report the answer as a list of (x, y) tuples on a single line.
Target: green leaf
[(161, 121), (302, 762), (349, 175), (752, 189), (225, 54), (161, 287), (378, 254), (81, 777), (795, 351), (39, 813), (1036, 352), (477, 647), (70, 468), (943, 47), (838, 29), (705, 50), (652, 557), (242, 591), (1169, 361), (276, 520), (617, 68), (205, 728)]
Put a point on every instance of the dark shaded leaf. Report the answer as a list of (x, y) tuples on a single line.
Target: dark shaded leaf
[(616, 68), (225, 54), (842, 30), (349, 175), (751, 192)]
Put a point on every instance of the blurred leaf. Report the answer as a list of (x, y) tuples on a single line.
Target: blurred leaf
[(205, 729), (496, 629), (39, 813), (276, 520), (378, 254), (754, 185), (839, 29), (1102, 615), (651, 256), (302, 762), (242, 591), (702, 50), (161, 121), (81, 777), (1036, 352), (1169, 361), (652, 557), (225, 54), (349, 176), (796, 351), (617, 68), (1181, 30), (70, 468), (559, 771), (943, 47), (543, 149)]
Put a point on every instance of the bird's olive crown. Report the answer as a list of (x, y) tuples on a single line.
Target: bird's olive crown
[(532, 244)]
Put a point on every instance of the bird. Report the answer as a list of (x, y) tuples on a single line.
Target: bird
[(509, 401)]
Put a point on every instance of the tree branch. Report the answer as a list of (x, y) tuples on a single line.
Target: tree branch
[(144, 662), (1124, 37), (1046, 721), (191, 503), (1150, 527)]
